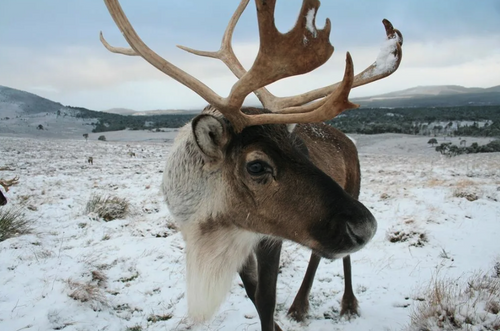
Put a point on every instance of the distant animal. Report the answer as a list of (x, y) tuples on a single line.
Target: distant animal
[(131, 154), (240, 180), (6, 184), (90, 160)]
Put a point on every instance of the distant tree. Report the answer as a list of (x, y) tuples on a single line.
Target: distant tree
[(103, 138), (39, 127), (86, 136), (432, 142), (444, 148), (463, 142)]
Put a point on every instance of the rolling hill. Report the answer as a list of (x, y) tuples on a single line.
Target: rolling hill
[(26, 114), (434, 96)]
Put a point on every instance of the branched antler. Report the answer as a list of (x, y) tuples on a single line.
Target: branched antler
[(301, 50), (8, 183), (387, 63)]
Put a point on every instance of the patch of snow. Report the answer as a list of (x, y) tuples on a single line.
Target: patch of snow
[(311, 14), (134, 268), (386, 60)]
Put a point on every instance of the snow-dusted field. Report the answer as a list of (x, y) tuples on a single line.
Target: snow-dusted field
[(132, 269)]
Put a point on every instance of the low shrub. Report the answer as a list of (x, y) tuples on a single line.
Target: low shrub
[(12, 223), (108, 208), (459, 304)]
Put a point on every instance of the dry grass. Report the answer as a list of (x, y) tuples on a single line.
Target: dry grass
[(134, 328), (158, 318), (385, 196), (469, 195), (434, 182), (12, 223), (457, 304), (415, 237), (466, 189), (108, 208), (464, 183), (88, 292)]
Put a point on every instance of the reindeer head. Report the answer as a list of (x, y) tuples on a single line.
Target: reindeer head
[(262, 180)]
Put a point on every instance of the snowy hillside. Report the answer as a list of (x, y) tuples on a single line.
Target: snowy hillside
[(438, 217), (27, 115), (434, 96)]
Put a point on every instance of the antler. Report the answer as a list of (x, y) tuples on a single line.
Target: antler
[(387, 62), (8, 183), (301, 50)]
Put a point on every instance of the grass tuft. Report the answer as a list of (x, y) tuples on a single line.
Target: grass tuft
[(413, 237), (12, 223), (88, 292), (108, 208), (157, 318), (471, 196), (457, 304)]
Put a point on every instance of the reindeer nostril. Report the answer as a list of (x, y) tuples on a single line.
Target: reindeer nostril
[(358, 239), (363, 231)]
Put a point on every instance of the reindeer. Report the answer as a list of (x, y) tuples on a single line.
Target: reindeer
[(240, 180), (6, 184), (90, 160)]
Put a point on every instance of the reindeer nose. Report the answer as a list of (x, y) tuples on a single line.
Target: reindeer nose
[(363, 227)]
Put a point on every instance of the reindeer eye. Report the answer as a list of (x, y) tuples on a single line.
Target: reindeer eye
[(257, 168)]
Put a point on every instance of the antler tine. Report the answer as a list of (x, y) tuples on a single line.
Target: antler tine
[(388, 60), (227, 56), (8, 183), (387, 63), (141, 49), (320, 111), (294, 104), (117, 50), (301, 50)]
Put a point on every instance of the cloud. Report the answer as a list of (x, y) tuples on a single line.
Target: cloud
[(451, 52), (69, 69), (94, 78)]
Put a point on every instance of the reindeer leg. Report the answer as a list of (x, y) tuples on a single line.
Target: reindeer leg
[(349, 306), (248, 275), (259, 278), (300, 305)]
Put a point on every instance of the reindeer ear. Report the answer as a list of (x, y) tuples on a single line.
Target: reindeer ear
[(210, 135)]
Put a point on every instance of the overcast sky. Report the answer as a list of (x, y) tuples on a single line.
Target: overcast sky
[(52, 48)]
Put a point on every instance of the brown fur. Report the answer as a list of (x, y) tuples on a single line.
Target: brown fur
[(304, 190), (334, 153)]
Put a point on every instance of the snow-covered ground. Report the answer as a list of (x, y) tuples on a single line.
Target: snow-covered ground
[(14, 122), (78, 272)]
